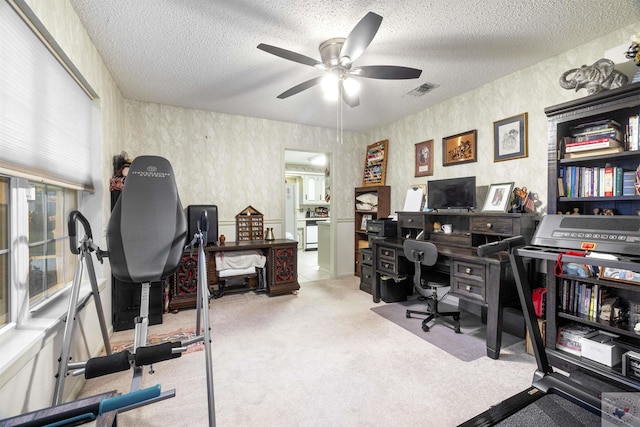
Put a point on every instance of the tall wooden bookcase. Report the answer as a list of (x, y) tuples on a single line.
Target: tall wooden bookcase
[(619, 105), (382, 210)]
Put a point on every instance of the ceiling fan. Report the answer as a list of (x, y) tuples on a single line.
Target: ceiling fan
[(338, 55)]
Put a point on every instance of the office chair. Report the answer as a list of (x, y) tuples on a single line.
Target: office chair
[(426, 253)]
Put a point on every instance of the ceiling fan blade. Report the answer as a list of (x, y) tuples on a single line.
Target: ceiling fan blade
[(350, 100), (390, 72), (360, 37), (299, 88), (291, 56)]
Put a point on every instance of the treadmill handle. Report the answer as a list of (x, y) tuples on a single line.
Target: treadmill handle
[(502, 245)]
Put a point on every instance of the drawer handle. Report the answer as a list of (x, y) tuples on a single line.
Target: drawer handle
[(468, 288), (410, 220), (468, 270), (489, 225)]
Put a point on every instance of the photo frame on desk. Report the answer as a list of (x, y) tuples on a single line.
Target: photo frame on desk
[(498, 197), (510, 138), (460, 148)]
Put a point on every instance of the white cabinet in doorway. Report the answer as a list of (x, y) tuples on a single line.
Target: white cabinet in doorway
[(313, 189)]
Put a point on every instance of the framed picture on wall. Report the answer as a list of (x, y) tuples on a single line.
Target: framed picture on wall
[(460, 148), (498, 197), (424, 158), (510, 138), (375, 164)]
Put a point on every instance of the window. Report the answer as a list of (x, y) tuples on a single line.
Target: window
[(51, 263), (4, 250)]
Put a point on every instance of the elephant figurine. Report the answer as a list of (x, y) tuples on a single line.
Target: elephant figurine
[(594, 78)]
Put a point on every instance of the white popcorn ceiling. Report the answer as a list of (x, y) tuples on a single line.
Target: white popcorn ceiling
[(202, 54)]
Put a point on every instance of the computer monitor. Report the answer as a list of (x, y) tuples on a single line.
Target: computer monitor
[(193, 216)]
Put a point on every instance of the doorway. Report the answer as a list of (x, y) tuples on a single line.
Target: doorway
[(307, 211)]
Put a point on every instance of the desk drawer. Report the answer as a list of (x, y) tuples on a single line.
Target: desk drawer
[(387, 261), (469, 280), (492, 225), (366, 276), (411, 220), (366, 257)]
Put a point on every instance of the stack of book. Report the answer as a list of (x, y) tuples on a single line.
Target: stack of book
[(594, 138)]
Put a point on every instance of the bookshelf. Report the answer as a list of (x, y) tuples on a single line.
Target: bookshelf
[(589, 167), (566, 303)]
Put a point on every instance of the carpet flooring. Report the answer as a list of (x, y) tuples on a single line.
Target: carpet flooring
[(466, 346), (317, 358), (155, 339)]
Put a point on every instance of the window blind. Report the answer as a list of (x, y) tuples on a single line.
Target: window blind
[(45, 116)]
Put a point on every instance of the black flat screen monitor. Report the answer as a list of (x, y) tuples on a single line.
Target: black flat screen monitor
[(193, 216), (453, 193)]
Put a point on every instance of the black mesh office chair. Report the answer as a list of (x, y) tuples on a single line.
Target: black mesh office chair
[(426, 253)]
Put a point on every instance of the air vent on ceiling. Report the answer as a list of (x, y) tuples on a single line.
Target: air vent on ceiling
[(422, 89)]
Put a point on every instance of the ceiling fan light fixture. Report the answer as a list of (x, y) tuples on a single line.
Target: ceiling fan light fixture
[(351, 86), (330, 87)]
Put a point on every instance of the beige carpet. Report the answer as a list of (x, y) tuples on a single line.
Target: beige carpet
[(318, 358), (154, 339)]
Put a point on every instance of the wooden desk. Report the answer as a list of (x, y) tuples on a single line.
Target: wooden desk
[(281, 275), (485, 282)]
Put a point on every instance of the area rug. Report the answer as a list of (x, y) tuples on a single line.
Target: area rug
[(153, 339), (466, 346)]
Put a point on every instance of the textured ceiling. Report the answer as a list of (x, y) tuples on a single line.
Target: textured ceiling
[(202, 54)]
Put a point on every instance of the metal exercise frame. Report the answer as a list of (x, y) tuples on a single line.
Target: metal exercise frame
[(141, 355)]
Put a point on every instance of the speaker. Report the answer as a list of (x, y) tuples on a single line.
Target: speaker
[(192, 213)]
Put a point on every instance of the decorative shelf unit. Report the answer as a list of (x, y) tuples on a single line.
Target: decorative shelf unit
[(375, 164), (619, 105), (383, 208), (249, 225)]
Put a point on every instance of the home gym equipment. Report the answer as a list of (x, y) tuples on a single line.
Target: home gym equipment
[(83, 249), (146, 239), (564, 239)]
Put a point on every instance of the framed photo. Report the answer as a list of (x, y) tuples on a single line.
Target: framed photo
[(498, 197), (460, 148), (365, 219), (510, 138), (424, 158)]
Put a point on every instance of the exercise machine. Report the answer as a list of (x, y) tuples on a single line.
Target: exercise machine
[(146, 239), (565, 239)]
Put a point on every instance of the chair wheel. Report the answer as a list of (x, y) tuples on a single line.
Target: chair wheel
[(408, 315), (425, 328), (457, 330), (456, 317)]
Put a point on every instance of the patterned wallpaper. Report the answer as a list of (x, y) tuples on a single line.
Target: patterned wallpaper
[(235, 161), (530, 90)]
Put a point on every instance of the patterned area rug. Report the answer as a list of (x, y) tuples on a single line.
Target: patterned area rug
[(153, 339), (467, 346)]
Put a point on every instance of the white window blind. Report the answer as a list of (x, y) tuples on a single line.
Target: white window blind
[(45, 116)]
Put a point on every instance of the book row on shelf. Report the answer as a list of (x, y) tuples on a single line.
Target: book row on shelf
[(601, 137), (587, 299), (596, 181)]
